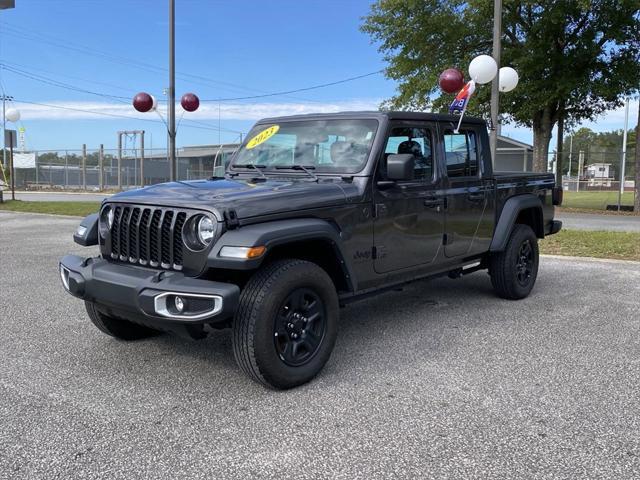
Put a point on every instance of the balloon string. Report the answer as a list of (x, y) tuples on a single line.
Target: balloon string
[(180, 120), (163, 120)]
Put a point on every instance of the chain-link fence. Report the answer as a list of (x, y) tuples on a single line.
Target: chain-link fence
[(113, 170), (591, 178)]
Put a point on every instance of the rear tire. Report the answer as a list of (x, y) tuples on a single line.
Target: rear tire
[(514, 271), (115, 327), (286, 324)]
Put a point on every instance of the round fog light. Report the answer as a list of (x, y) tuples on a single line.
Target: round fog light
[(179, 303)]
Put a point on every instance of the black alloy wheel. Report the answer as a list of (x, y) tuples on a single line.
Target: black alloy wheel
[(514, 270), (286, 323), (299, 328), (524, 263)]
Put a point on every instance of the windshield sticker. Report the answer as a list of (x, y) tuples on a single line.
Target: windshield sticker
[(263, 136)]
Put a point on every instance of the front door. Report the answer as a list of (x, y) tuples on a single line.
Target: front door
[(469, 221), (409, 221)]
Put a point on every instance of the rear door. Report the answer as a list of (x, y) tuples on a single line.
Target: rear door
[(409, 221), (469, 192)]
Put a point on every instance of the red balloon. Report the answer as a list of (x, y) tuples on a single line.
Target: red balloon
[(143, 102), (451, 80), (190, 102)]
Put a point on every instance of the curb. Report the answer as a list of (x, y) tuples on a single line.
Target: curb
[(591, 259)]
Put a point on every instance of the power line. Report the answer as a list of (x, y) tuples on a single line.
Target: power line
[(153, 68), (56, 74), (116, 115), (275, 94), (121, 98), (55, 83), (64, 44)]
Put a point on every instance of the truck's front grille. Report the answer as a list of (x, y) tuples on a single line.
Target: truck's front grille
[(147, 235)]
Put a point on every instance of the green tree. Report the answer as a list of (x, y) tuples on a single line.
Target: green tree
[(603, 147), (576, 58)]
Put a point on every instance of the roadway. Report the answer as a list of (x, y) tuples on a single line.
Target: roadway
[(57, 197), (441, 380), (589, 221)]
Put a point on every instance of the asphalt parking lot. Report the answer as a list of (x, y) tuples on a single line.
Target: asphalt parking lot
[(441, 380)]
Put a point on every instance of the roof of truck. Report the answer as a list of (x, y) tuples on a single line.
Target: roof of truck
[(393, 115)]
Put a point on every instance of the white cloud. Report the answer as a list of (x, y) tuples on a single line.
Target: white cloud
[(55, 110), (614, 119)]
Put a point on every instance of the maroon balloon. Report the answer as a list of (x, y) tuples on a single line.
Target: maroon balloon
[(190, 102), (143, 102), (451, 80)]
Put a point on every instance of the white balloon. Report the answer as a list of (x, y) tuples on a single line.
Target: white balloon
[(483, 69), (154, 107), (508, 79), (12, 115)]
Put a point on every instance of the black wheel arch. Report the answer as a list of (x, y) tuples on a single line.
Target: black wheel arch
[(310, 239), (525, 209)]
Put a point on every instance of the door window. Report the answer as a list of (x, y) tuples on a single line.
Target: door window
[(416, 141), (461, 152)]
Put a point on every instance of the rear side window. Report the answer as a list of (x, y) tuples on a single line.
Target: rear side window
[(416, 141), (461, 153)]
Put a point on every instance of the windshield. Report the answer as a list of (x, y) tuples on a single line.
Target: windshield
[(326, 146)]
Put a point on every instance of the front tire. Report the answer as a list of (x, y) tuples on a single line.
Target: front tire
[(115, 327), (286, 323), (514, 271)]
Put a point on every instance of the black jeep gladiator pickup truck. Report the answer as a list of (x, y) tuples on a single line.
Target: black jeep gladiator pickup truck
[(313, 212)]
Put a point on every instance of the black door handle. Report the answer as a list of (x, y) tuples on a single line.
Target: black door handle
[(432, 202), (476, 197)]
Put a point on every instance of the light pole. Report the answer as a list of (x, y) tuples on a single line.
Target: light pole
[(13, 116), (495, 86), (171, 127), (4, 5), (623, 162), (5, 99)]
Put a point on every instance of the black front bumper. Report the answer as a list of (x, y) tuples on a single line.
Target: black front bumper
[(132, 292)]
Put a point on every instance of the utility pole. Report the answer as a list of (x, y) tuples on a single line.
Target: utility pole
[(4, 5), (119, 161), (13, 172), (570, 155), (172, 91), (560, 146), (5, 99), (142, 159), (636, 202), (135, 134), (495, 85), (84, 166), (623, 162), (100, 167)]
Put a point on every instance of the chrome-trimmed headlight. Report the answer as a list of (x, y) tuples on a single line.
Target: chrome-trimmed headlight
[(106, 220), (199, 231), (206, 230)]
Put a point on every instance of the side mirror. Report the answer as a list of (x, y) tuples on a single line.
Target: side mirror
[(400, 166)]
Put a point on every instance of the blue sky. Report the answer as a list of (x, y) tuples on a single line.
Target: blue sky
[(225, 49)]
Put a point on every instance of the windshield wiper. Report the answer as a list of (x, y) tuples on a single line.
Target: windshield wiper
[(257, 168), (305, 168)]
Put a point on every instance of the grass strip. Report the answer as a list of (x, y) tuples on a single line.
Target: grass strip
[(79, 209), (579, 243), (594, 200)]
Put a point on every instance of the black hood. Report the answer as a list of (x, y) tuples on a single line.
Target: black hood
[(248, 197)]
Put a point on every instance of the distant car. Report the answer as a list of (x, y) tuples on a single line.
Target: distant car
[(313, 212)]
